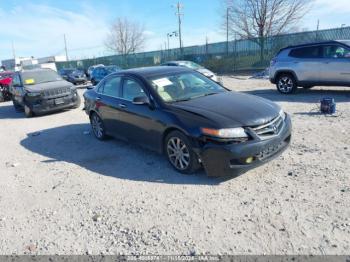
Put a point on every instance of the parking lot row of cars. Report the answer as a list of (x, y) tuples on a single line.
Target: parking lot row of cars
[(173, 109), (181, 110)]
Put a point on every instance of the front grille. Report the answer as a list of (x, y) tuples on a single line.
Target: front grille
[(58, 92), (270, 129)]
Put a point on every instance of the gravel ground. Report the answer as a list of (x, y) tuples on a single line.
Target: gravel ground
[(64, 192)]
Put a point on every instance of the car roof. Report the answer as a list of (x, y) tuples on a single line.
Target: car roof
[(314, 43), (155, 70), (35, 70)]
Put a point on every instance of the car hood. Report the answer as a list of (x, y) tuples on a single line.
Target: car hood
[(232, 109), (48, 86)]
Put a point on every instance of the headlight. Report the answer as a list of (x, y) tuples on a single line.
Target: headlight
[(237, 132), (282, 114), (33, 94)]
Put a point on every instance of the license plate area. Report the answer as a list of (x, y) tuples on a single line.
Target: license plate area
[(59, 101), (270, 150)]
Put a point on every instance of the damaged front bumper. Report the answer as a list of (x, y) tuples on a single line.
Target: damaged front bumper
[(235, 159)]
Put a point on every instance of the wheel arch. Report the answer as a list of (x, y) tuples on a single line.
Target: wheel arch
[(167, 131), (286, 71)]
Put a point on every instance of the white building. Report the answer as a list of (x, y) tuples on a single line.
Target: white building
[(30, 62)]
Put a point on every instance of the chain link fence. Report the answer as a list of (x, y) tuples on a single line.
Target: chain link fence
[(222, 57)]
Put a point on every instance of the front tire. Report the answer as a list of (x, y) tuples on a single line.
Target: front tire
[(98, 127), (28, 111), (180, 154), (78, 102), (286, 84)]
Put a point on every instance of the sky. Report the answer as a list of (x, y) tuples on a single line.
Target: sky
[(36, 27)]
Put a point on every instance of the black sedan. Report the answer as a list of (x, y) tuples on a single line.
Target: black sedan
[(190, 118)]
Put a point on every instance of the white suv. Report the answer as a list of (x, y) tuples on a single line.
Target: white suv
[(308, 65)]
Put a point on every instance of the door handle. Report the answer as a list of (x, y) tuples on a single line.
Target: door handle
[(98, 98), (122, 105)]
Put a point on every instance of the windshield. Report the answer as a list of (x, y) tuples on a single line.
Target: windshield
[(67, 71), (184, 86), (346, 42), (190, 65), (38, 77)]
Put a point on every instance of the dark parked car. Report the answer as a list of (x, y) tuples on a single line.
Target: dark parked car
[(5, 83), (40, 91), (102, 71), (190, 118), (75, 76)]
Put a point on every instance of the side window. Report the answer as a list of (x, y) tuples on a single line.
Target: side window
[(306, 52), (111, 86), (132, 89), (16, 81), (334, 51)]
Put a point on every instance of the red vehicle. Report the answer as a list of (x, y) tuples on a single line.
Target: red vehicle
[(5, 83)]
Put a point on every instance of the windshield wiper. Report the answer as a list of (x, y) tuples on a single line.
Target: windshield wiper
[(181, 100), (193, 97)]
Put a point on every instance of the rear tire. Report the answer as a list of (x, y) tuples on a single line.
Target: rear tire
[(179, 152), (77, 103), (286, 83), (98, 127)]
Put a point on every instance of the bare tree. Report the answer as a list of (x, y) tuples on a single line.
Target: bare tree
[(258, 19), (125, 37)]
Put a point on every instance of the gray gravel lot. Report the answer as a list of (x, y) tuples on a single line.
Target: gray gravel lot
[(64, 192)]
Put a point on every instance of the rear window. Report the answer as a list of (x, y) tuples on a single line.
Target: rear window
[(306, 52)]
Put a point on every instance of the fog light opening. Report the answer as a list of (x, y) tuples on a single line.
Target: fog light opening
[(249, 160)]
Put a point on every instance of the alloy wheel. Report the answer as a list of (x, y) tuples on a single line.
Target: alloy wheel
[(97, 126), (178, 153), (285, 84)]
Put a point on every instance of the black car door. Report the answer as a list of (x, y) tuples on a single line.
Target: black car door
[(108, 103), (140, 122)]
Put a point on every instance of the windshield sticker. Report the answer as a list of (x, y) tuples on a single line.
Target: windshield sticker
[(30, 81), (162, 82)]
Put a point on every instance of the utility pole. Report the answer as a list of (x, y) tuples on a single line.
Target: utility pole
[(13, 51), (206, 45), (227, 16), (65, 46), (318, 27), (179, 7)]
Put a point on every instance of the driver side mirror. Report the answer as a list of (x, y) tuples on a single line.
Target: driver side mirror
[(141, 100)]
